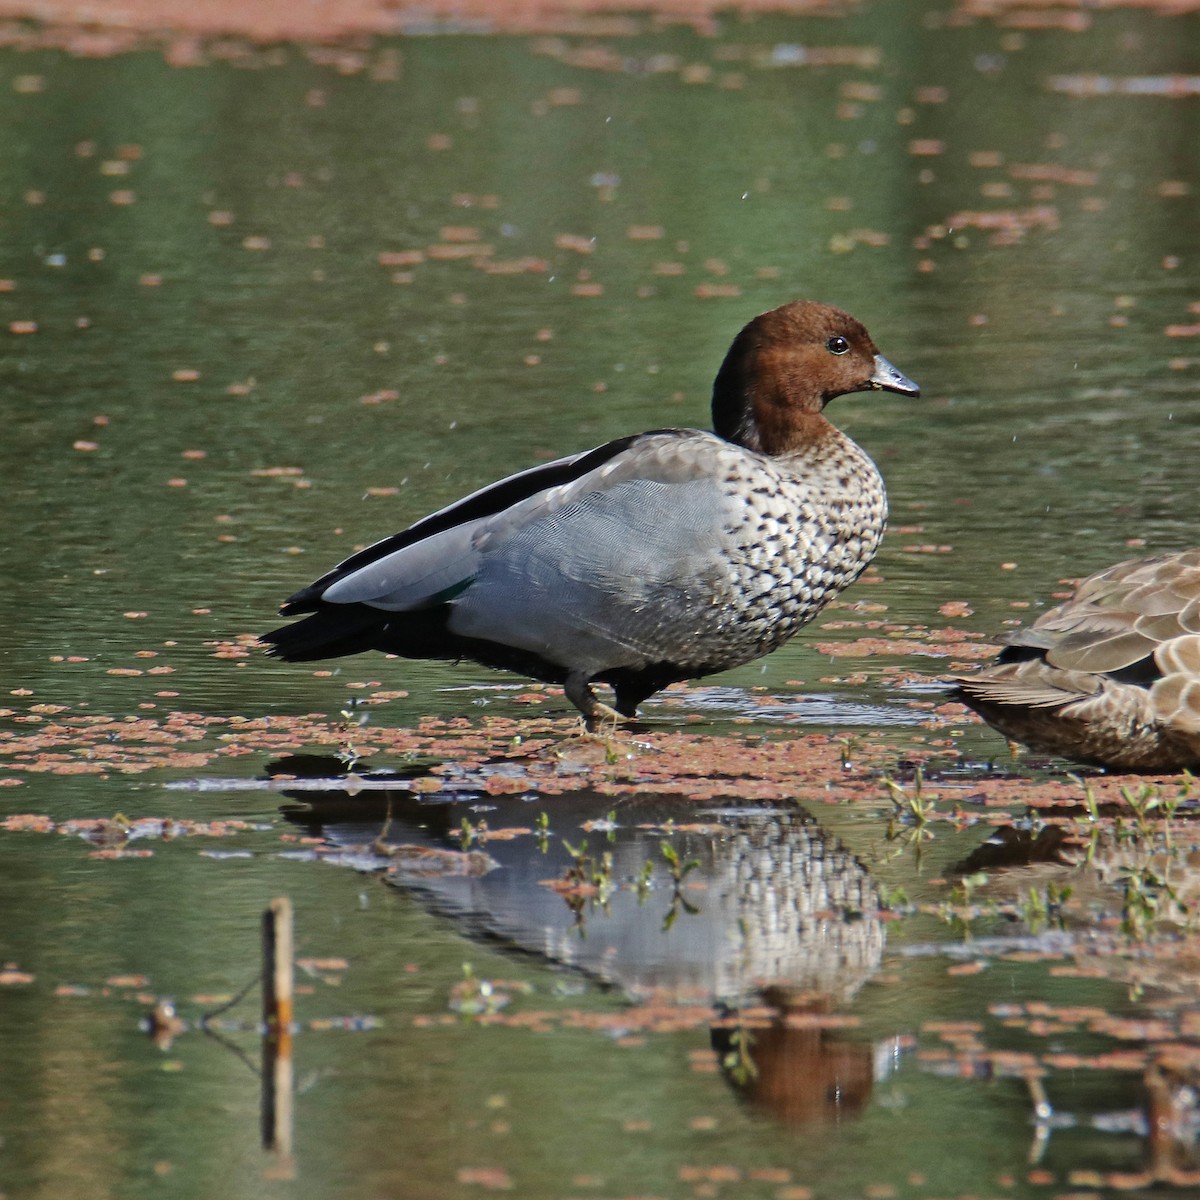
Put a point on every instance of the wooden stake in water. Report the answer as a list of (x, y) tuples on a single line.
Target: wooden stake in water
[(277, 1034), (277, 969)]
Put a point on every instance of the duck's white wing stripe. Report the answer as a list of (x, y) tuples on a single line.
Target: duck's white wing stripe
[(417, 576)]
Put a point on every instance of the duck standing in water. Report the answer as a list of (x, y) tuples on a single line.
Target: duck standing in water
[(655, 558), (1109, 677)]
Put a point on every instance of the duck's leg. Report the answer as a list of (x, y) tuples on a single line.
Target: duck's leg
[(595, 713), (629, 696)]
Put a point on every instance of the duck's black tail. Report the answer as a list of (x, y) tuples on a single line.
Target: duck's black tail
[(330, 632)]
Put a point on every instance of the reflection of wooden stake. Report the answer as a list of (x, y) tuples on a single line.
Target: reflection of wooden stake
[(1043, 1112), (277, 1033)]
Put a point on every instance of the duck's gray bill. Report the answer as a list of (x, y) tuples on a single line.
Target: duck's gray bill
[(890, 380)]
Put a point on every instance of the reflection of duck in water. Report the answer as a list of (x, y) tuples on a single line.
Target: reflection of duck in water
[(1111, 676), (803, 912), (1167, 1118), (797, 1067), (1172, 1084), (1143, 880), (773, 899), (776, 910)]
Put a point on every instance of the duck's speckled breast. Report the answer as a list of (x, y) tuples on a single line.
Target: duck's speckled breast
[(811, 522)]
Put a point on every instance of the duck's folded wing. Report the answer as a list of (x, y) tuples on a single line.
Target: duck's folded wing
[(439, 557), (618, 565), (631, 567), (416, 565), (1028, 685), (1119, 616)]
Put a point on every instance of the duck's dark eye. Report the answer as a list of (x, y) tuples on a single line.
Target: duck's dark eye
[(837, 345)]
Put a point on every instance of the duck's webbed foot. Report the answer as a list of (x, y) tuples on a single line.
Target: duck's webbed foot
[(596, 714)]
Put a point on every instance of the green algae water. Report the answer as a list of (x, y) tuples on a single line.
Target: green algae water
[(273, 306)]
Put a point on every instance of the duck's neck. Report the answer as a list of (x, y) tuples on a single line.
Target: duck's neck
[(780, 433), (758, 404)]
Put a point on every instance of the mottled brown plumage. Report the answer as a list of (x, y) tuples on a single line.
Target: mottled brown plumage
[(1111, 676)]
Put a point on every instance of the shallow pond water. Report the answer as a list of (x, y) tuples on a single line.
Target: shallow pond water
[(278, 303)]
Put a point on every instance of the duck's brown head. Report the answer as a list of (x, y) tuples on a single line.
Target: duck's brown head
[(785, 366)]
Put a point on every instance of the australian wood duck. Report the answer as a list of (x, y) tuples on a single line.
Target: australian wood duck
[(655, 558)]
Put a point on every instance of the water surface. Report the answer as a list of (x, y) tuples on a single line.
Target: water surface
[(263, 310)]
